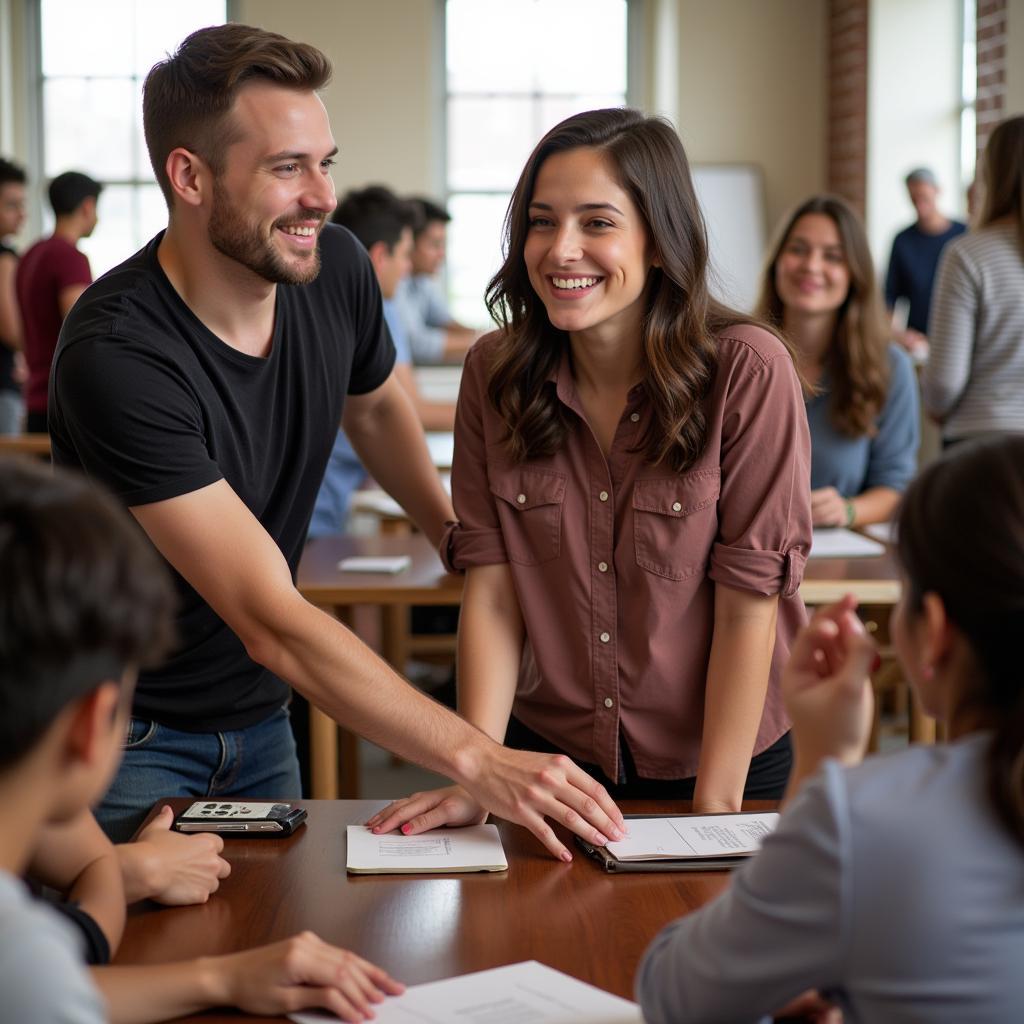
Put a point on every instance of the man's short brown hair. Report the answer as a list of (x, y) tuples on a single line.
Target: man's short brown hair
[(187, 99)]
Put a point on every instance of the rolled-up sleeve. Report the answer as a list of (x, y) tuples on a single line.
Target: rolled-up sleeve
[(476, 537), (765, 507)]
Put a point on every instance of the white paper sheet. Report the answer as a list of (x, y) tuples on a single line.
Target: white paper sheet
[(477, 848), (372, 563), (839, 543), (695, 836), (525, 993), (885, 532)]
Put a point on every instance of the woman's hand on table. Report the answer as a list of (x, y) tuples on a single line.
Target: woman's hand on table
[(433, 808), (828, 507), (301, 973), (826, 686)]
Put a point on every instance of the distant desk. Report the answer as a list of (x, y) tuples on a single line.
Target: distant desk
[(874, 581), (322, 583), (573, 917), (25, 444)]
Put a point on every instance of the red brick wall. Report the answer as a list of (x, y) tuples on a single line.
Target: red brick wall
[(848, 99), (991, 67)]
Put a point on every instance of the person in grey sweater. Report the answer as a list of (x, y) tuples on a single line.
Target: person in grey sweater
[(974, 381), (891, 888)]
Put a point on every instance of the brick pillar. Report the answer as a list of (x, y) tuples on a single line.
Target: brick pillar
[(991, 105), (848, 100)]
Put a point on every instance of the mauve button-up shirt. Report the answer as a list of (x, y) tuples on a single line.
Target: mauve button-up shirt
[(615, 560)]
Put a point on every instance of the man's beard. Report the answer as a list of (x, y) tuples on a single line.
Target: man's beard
[(240, 240)]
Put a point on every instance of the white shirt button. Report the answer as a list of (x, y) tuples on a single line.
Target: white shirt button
[(521, 498), (676, 507), (605, 637), (602, 566), (635, 417), (603, 495), (608, 702)]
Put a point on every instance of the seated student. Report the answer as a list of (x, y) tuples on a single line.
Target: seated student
[(83, 603), (383, 223), (892, 887), (819, 287), (630, 478), (434, 335)]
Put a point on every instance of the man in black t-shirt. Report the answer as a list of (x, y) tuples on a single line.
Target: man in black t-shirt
[(203, 381)]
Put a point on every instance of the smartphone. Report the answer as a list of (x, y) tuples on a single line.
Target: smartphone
[(242, 818)]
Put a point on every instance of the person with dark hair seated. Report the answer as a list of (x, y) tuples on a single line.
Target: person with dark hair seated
[(892, 887), (84, 603), (12, 216), (435, 336)]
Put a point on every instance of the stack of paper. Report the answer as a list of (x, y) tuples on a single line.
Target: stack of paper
[(695, 836), (439, 851), (839, 543), (525, 993)]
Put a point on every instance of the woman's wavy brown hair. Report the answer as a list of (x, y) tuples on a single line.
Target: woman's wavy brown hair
[(858, 359), (681, 320)]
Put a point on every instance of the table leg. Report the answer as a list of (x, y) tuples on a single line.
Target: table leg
[(323, 754)]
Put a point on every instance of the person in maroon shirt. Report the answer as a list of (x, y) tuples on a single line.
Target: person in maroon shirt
[(51, 275), (631, 480)]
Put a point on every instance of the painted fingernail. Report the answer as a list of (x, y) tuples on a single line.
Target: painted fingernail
[(406, 829)]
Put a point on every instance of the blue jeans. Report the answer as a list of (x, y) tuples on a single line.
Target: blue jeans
[(159, 762)]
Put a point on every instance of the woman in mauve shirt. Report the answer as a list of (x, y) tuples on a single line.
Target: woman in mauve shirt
[(631, 484)]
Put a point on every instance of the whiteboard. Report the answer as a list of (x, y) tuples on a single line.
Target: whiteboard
[(732, 199)]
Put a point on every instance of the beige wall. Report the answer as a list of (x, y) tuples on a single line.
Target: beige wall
[(1015, 57), (752, 90), (384, 97)]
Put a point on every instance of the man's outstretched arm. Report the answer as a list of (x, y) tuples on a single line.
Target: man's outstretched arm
[(219, 547)]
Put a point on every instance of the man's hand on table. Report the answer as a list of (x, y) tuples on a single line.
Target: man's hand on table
[(519, 786)]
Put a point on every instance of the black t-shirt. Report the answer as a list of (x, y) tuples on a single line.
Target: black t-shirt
[(7, 382), (146, 399)]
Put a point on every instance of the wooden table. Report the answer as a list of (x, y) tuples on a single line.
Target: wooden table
[(573, 917), (874, 581), (25, 444)]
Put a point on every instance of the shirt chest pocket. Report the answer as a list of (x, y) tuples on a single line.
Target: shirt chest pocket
[(529, 503), (675, 522)]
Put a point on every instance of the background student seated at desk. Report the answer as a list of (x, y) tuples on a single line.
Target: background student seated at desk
[(819, 288), (892, 887), (70, 656), (633, 504)]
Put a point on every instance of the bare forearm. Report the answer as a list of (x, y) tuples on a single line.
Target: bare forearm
[(137, 995), (737, 682), (98, 891), (875, 505), (490, 647), (342, 676)]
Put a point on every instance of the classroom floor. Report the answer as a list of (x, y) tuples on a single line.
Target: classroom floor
[(381, 779)]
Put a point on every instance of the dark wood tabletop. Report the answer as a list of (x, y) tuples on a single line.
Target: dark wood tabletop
[(573, 917)]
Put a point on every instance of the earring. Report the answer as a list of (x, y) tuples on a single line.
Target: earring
[(927, 670)]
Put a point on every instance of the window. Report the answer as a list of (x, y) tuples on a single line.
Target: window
[(968, 96), (94, 58), (515, 68)]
